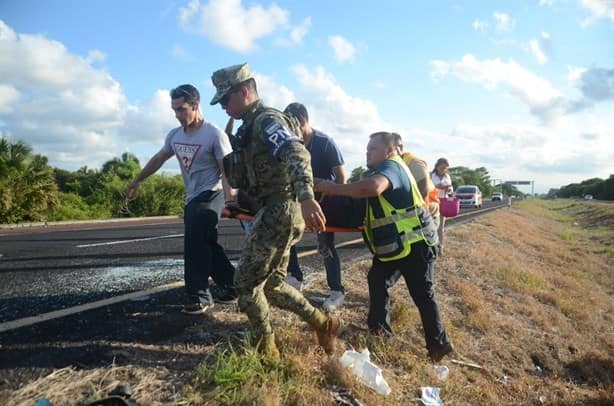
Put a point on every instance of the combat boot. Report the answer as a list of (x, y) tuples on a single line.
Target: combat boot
[(268, 349), (327, 331)]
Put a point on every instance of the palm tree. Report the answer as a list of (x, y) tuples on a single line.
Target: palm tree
[(27, 185)]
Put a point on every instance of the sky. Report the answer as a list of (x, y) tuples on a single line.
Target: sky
[(523, 88)]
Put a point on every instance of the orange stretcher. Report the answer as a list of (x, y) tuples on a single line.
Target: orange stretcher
[(244, 215)]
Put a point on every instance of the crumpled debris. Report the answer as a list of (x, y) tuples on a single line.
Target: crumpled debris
[(343, 396), (430, 396), (366, 371)]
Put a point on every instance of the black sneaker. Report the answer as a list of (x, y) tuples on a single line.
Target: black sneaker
[(199, 304), (223, 295), (196, 308), (437, 354)]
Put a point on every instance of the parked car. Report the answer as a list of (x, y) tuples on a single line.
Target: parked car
[(496, 196), (588, 197), (470, 195)]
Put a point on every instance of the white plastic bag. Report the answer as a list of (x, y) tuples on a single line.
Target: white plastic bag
[(366, 371), (441, 371), (430, 396)]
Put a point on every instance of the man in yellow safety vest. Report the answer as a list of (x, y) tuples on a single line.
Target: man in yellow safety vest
[(402, 236)]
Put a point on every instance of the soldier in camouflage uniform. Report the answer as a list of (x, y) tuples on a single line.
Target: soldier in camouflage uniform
[(270, 163)]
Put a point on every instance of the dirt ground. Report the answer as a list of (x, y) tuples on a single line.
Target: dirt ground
[(149, 334)]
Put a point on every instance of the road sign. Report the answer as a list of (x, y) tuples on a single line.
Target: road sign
[(518, 182)]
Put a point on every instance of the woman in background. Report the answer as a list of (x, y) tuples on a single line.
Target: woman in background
[(442, 181)]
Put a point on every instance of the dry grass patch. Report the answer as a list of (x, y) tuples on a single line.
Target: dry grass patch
[(65, 385)]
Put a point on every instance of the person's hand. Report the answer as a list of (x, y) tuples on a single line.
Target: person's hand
[(313, 215), (132, 189), (323, 186)]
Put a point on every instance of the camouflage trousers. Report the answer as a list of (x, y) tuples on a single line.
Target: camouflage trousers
[(262, 268)]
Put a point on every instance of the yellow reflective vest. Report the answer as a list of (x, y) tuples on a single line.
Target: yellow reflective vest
[(390, 232)]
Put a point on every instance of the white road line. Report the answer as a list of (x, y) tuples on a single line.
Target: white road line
[(129, 241), (27, 321)]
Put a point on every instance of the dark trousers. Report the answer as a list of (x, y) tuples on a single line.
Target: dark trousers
[(326, 248), (417, 270), (203, 256)]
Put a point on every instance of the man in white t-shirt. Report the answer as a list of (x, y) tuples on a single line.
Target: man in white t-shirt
[(200, 148)]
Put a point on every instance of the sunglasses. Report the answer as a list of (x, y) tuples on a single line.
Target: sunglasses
[(224, 100), (179, 91)]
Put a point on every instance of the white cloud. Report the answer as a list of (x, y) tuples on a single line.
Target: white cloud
[(539, 94), (295, 34), (298, 33), (599, 9), (380, 85), (273, 94), (480, 25), (504, 22), (8, 96), (95, 56), (63, 107), (540, 48), (348, 119), (149, 121), (344, 50), (523, 152), (230, 24), (546, 2), (574, 73)]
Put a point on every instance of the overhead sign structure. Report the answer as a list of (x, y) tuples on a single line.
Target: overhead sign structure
[(519, 182), (522, 182)]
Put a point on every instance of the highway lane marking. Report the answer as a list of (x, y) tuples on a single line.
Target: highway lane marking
[(28, 321), (98, 244)]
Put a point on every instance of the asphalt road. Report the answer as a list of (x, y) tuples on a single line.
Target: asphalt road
[(45, 269)]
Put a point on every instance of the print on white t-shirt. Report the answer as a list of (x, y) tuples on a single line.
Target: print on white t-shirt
[(186, 154)]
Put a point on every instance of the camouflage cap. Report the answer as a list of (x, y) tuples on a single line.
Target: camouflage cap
[(224, 79)]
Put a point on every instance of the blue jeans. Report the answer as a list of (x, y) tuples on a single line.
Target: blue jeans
[(326, 248), (203, 256)]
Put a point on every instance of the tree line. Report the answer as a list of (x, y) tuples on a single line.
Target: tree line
[(31, 190), (462, 175), (602, 189)]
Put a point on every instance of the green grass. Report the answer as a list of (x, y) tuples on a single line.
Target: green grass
[(225, 379), (520, 280), (607, 250), (567, 235)]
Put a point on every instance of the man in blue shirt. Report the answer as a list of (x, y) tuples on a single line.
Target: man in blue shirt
[(389, 180), (327, 164)]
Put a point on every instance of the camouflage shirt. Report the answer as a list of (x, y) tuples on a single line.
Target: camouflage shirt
[(276, 161)]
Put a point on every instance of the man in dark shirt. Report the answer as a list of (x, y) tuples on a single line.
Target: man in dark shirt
[(327, 164)]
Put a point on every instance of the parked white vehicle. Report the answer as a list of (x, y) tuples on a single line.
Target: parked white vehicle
[(469, 195), (496, 196)]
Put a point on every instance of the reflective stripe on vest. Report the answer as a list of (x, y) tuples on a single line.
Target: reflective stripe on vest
[(390, 232), (393, 218)]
